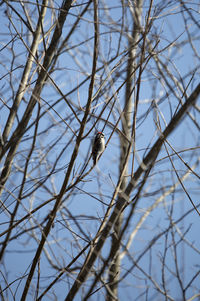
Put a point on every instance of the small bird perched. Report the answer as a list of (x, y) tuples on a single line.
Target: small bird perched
[(98, 146)]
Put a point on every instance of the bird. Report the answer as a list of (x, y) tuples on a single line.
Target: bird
[(98, 146)]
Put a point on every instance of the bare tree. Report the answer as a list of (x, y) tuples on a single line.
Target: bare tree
[(127, 227)]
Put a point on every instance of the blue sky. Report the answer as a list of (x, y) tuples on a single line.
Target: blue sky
[(20, 252)]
